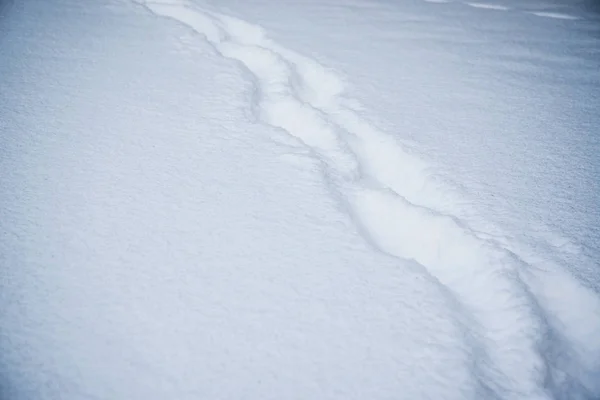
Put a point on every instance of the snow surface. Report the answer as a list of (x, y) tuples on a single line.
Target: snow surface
[(340, 199)]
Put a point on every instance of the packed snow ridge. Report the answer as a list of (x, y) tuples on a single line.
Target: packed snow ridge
[(521, 342)]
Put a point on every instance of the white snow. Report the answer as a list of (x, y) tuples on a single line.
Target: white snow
[(488, 6), (340, 199), (553, 15)]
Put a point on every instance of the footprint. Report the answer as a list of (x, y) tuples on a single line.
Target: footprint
[(187, 44)]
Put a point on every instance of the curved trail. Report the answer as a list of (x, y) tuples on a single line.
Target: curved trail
[(517, 351)]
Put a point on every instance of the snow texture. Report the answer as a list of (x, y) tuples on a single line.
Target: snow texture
[(302, 200)]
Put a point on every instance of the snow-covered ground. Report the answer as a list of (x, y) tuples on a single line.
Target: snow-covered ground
[(318, 199)]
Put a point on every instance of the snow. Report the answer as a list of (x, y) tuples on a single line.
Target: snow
[(341, 199)]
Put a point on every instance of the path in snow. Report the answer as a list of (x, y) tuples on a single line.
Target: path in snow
[(153, 244), (521, 348)]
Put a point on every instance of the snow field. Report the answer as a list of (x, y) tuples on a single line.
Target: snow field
[(389, 195), (194, 210)]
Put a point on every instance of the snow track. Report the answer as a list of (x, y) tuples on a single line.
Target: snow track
[(488, 6), (398, 206)]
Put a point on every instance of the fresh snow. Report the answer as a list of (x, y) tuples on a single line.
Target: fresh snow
[(326, 199)]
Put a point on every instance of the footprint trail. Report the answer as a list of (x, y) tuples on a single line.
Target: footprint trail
[(392, 198)]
